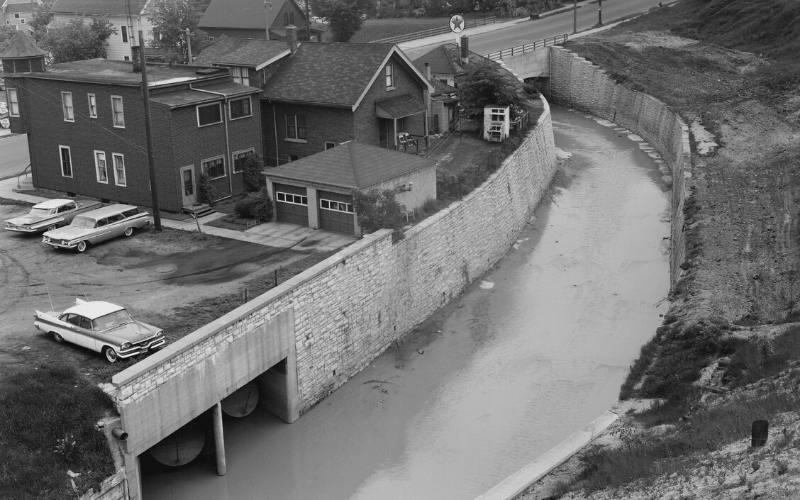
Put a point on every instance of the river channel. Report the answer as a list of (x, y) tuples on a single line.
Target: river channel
[(533, 351)]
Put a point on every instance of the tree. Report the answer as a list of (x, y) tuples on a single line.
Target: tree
[(171, 19), (487, 83), (41, 19), (76, 40), (344, 16), (6, 32), (378, 209)]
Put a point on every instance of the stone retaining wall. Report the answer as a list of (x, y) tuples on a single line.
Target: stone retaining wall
[(577, 83)]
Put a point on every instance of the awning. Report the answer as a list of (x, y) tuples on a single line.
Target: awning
[(399, 107)]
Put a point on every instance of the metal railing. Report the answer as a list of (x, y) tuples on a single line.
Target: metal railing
[(528, 47), (434, 31), (23, 173)]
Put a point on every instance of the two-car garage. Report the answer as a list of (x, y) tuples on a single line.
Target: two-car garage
[(334, 211)]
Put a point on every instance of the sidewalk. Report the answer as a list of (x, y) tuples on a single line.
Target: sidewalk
[(272, 234)]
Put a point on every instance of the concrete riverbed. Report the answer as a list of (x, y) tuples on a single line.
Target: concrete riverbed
[(533, 351)]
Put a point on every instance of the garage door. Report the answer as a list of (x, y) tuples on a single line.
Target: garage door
[(336, 212), (291, 203)]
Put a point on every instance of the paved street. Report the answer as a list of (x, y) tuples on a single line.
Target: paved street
[(13, 155)]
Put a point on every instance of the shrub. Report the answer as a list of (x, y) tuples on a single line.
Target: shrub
[(206, 191), (378, 209), (256, 207), (253, 167)]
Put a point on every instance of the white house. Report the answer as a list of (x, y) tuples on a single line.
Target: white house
[(128, 26), (18, 13)]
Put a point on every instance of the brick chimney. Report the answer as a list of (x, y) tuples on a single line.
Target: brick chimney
[(291, 37), (464, 49)]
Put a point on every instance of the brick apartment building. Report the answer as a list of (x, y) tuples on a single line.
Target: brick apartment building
[(86, 129), (325, 94)]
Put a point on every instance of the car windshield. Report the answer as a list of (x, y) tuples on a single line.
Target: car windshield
[(83, 222), (41, 211), (111, 320)]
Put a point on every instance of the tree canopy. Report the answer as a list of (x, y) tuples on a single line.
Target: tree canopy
[(76, 40), (486, 83), (378, 209), (171, 19), (41, 19), (344, 16)]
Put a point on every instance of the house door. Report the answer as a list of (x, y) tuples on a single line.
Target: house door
[(188, 186)]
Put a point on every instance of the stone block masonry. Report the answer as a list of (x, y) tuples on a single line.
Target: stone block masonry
[(340, 314), (577, 83)]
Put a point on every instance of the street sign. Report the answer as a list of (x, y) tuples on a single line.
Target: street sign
[(457, 24)]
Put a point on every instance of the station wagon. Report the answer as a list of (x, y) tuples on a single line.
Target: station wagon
[(92, 227)]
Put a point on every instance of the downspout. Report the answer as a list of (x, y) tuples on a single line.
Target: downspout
[(227, 138), (275, 130)]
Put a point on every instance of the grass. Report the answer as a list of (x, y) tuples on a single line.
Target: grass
[(6, 201), (378, 29), (47, 417)]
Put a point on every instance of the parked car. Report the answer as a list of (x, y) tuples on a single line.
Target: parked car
[(49, 215), (94, 226), (102, 327)]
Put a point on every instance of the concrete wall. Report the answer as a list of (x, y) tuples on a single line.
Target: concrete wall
[(532, 64), (577, 83), (341, 313)]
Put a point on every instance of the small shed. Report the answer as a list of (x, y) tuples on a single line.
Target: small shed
[(317, 191), (496, 122)]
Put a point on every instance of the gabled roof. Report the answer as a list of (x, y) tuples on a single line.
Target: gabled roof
[(18, 8), (351, 165), (98, 7), (242, 52), (333, 74), (20, 46), (443, 60), (238, 14)]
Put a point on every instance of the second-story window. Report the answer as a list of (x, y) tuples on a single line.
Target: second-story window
[(209, 114), (116, 109), (240, 108), (92, 106), (389, 76), (13, 102), (241, 75), (66, 103), (124, 30), (296, 127), (100, 165)]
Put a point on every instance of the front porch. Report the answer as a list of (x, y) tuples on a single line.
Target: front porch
[(403, 123)]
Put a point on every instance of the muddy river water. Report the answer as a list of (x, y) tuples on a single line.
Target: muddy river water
[(533, 351)]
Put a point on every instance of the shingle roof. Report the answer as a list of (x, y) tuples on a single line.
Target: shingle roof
[(351, 165), (439, 88), (18, 7), (241, 52), (334, 74), (241, 14), (98, 7), (20, 45), (443, 60)]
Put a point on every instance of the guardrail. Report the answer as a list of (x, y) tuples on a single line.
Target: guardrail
[(519, 49), (23, 173), (434, 31)]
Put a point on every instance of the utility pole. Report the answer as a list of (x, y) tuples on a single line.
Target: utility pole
[(268, 7), (574, 16), (149, 133), (600, 12), (189, 45)]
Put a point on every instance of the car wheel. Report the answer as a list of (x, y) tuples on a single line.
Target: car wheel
[(82, 246), (110, 354), (51, 227), (58, 338), (128, 231)]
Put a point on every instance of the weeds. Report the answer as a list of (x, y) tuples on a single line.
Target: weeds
[(781, 466)]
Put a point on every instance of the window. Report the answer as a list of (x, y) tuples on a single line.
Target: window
[(119, 169), (209, 114), (126, 58), (296, 127), (66, 104), (66, 208), (293, 157), (389, 76), (294, 199), (92, 106), (336, 206), (66, 161), (288, 18), (117, 111), (100, 166), (240, 75), (124, 34), (239, 159), (215, 167), (16, 15), (13, 102), (329, 145), (22, 21), (130, 213), (240, 108)]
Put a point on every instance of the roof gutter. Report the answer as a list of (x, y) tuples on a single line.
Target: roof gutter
[(227, 137)]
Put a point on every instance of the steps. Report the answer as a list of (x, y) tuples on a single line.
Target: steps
[(198, 210)]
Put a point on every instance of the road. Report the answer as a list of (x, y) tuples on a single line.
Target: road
[(558, 24), (14, 155)]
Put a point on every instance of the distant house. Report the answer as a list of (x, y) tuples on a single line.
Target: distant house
[(251, 62), (317, 191), (119, 45), (329, 93), (248, 19), (444, 62), (18, 13), (86, 132), (443, 107)]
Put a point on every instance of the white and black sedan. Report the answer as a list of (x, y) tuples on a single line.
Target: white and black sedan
[(49, 215), (102, 327)]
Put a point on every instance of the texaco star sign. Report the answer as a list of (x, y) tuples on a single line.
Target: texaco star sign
[(457, 24)]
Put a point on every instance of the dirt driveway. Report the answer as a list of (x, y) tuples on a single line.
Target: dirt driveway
[(176, 280)]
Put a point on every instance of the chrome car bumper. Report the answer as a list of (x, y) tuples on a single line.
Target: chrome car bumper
[(22, 229), (142, 347)]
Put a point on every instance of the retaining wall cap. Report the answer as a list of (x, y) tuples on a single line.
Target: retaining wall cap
[(208, 330)]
